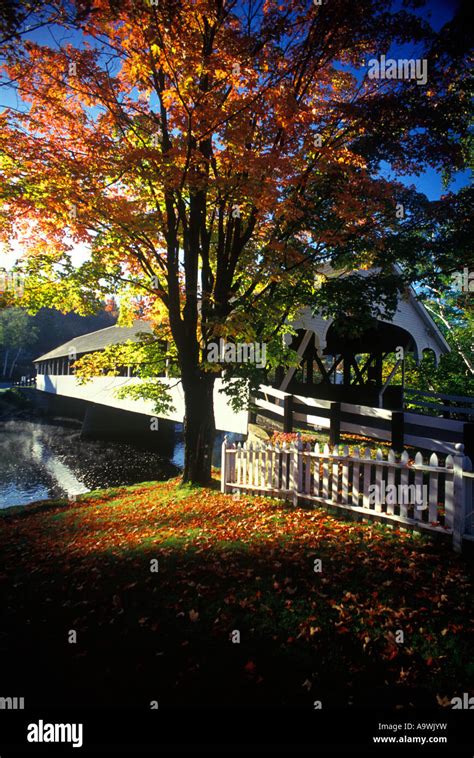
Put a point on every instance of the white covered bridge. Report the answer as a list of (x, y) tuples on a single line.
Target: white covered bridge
[(339, 385), (55, 375)]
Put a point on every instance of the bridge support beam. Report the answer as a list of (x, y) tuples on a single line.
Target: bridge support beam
[(106, 423), (51, 404)]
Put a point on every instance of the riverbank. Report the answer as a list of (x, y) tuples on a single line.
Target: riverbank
[(13, 403), (188, 596)]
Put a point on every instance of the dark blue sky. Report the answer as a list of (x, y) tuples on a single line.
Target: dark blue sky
[(438, 13)]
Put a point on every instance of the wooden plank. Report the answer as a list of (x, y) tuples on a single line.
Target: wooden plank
[(276, 467), (459, 514), (250, 464), (404, 481), (292, 467), (274, 492), (420, 507), (231, 458), (309, 419), (316, 472), (391, 459), (326, 472), (378, 480), (298, 468), (438, 446), (433, 490), (366, 410), (335, 476), (238, 459), (224, 465), (389, 379), (345, 477), (262, 468), (267, 390), (307, 469), (300, 351), (443, 396), (367, 475), (365, 431), (267, 466), (269, 406), (312, 402), (355, 478), (257, 465), (443, 408), (367, 470), (468, 479), (417, 419), (284, 466)]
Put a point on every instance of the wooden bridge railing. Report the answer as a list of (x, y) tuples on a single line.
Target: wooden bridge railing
[(458, 407), (400, 428)]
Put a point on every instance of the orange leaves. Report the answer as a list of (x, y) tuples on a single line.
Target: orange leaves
[(247, 565)]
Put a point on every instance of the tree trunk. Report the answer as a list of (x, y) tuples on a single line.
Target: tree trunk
[(14, 362), (5, 363), (199, 428)]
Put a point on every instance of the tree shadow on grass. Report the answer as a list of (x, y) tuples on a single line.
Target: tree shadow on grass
[(171, 635)]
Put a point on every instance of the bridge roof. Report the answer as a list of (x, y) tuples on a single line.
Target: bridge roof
[(111, 335)]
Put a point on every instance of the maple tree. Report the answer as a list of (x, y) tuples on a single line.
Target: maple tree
[(211, 153)]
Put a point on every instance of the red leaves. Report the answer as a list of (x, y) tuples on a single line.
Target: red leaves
[(254, 573)]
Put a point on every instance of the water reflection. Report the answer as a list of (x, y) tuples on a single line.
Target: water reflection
[(47, 458)]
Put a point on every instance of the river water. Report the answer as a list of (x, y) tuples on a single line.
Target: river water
[(47, 458)]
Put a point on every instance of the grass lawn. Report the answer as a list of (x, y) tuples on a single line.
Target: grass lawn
[(226, 566)]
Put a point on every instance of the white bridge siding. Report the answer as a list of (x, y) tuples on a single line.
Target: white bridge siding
[(103, 389)]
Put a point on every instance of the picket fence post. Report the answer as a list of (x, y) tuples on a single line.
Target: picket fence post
[(296, 469), (224, 487), (299, 467), (468, 499), (459, 504)]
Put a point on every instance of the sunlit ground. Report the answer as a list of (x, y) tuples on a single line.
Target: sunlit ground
[(317, 602)]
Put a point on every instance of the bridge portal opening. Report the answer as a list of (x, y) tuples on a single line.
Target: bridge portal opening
[(350, 368)]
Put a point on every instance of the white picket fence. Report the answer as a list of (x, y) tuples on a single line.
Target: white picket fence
[(337, 478)]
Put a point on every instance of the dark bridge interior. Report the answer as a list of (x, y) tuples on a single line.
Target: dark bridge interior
[(350, 368)]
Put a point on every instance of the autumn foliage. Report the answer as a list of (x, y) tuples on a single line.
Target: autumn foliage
[(212, 155), (317, 600)]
